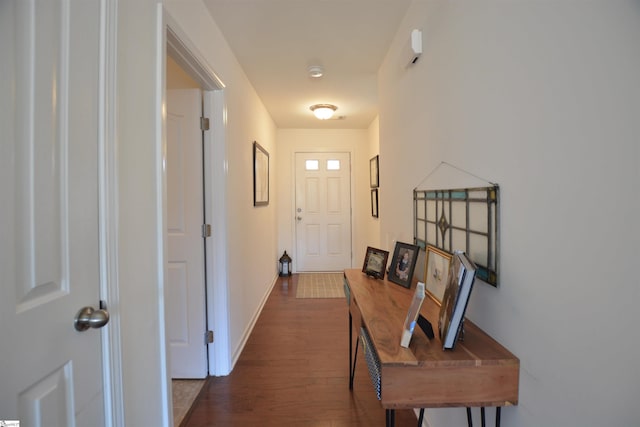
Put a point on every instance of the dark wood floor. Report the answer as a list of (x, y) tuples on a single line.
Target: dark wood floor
[(294, 371)]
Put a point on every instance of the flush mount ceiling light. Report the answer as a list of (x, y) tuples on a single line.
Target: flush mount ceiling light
[(316, 71), (323, 111)]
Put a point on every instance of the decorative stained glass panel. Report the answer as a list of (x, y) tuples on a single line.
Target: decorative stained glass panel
[(460, 219)]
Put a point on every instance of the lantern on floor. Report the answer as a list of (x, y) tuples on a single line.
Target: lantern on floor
[(285, 264)]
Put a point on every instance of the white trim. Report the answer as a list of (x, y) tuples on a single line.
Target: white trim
[(254, 320), (108, 212), (216, 215), (161, 212), (184, 52)]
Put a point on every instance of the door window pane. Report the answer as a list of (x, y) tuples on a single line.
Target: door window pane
[(333, 165), (311, 165)]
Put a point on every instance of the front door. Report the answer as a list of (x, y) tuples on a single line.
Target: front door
[(185, 215), (323, 211), (51, 374)]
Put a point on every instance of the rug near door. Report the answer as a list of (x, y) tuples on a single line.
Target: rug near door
[(184, 393), (320, 285)]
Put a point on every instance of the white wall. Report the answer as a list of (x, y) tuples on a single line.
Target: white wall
[(371, 224), (251, 231), (140, 262), (354, 141), (542, 97)]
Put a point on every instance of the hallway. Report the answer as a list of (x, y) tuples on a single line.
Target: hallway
[(294, 372)]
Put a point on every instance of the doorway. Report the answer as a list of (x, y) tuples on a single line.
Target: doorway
[(323, 211), (181, 50)]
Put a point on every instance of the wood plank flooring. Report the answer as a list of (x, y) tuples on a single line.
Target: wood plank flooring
[(294, 371)]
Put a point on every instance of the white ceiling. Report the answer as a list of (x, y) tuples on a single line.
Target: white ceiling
[(276, 41)]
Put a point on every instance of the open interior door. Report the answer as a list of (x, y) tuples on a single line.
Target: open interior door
[(51, 373), (186, 305)]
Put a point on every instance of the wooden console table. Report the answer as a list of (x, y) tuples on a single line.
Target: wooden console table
[(479, 372)]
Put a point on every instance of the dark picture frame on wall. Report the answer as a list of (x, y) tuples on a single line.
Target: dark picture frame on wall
[(374, 203), (403, 264), (260, 175), (374, 175), (375, 262)]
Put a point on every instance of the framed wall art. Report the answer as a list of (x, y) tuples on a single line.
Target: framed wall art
[(374, 175), (403, 264), (461, 219), (375, 262), (260, 175), (374, 203)]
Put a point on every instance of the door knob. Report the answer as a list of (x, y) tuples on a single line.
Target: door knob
[(299, 218), (88, 317)]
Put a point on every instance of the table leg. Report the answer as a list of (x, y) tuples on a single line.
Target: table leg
[(352, 374), (482, 416), (391, 417), (352, 362)]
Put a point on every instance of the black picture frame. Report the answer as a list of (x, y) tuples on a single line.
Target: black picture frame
[(375, 262), (374, 203), (260, 175), (374, 174), (403, 264)]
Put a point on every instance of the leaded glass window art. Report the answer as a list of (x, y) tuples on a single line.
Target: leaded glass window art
[(460, 219)]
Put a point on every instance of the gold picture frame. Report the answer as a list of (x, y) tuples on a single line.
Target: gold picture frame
[(436, 272)]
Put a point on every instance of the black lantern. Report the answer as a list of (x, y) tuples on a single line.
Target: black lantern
[(285, 264)]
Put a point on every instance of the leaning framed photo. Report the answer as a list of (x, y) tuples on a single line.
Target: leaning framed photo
[(375, 262), (374, 175), (436, 272), (403, 264), (260, 175)]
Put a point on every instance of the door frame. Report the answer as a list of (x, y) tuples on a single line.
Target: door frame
[(184, 52), (112, 370)]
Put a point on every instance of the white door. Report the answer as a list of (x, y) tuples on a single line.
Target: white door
[(323, 211), (186, 322), (51, 374)]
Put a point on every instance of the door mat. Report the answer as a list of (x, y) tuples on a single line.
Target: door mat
[(184, 393), (320, 285)]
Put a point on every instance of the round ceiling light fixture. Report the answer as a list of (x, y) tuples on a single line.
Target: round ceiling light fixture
[(316, 71), (323, 111)]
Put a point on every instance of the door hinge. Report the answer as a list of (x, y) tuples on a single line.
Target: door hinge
[(208, 337), (204, 123), (206, 230)]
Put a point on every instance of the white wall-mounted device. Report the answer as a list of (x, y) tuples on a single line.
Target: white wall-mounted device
[(414, 48)]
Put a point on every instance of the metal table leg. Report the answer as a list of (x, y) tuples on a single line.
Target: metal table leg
[(391, 417), (352, 359)]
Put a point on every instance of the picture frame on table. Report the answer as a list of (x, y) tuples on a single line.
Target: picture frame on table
[(436, 272), (403, 264), (374, 174), (260, 175), (375, 262)]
